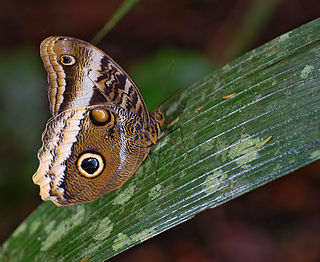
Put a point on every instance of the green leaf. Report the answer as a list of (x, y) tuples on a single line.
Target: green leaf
[(276, 90)]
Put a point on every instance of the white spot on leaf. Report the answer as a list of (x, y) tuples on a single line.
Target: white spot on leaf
[(306, 71), (155, 192)]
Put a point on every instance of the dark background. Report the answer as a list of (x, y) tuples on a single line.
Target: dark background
[(277, 222)]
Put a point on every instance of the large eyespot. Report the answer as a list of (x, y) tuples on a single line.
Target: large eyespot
[(90, 164), (67, 60), (99, 116)]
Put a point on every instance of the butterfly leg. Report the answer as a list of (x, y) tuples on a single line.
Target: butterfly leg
[(174, 142), (154, 169)]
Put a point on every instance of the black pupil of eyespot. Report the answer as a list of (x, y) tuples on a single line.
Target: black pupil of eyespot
[(66, 59), (90, 165)]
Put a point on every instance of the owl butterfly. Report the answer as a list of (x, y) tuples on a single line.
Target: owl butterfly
[(100, 131)]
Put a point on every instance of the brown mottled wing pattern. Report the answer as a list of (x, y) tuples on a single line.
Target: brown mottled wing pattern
[(100, 131), (72, 134), (93, 79)]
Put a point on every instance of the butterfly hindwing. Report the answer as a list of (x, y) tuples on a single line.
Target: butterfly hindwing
[(73, 138)]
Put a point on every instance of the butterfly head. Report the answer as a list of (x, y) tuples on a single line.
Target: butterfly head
[(158, 120)]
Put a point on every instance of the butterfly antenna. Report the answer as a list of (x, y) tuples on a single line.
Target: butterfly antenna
[(171, 95), (165, 84)]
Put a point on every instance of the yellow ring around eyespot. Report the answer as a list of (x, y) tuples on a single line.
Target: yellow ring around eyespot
[(70, 58), (90, 155)]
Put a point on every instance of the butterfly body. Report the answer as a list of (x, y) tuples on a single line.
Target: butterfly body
[(101, 130)]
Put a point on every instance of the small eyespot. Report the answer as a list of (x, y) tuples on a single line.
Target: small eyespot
[(67, 60), (90, 164), (99, 116)]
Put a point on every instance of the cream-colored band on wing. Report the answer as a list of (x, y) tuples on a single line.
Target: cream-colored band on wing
[(58, 138), (56, 75), (123, 143)]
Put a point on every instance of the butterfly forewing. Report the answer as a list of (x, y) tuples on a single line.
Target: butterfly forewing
[(91, 78)]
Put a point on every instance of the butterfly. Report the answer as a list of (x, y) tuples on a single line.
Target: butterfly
[(100, 131)]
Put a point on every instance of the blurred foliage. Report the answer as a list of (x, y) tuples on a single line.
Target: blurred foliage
[(161, 74), (23, 112)]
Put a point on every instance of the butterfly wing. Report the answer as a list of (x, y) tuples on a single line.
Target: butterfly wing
[(80, 161), (100, 131), (79, 75)]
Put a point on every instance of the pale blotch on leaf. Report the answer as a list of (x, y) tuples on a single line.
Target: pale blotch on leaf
[(20, 229), (306, 71), (315, 155), (124, 196), (99, 231), (173, 122), (172, 108), (284, 37), (48, 228), (90, 250), (79, 215), (213, 182), (155, 192), (164, 140), (226, 67), (143, 235), (245, 151), (34, 226), (121, 241), (104, 229), (252, 54), (64, 227)]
